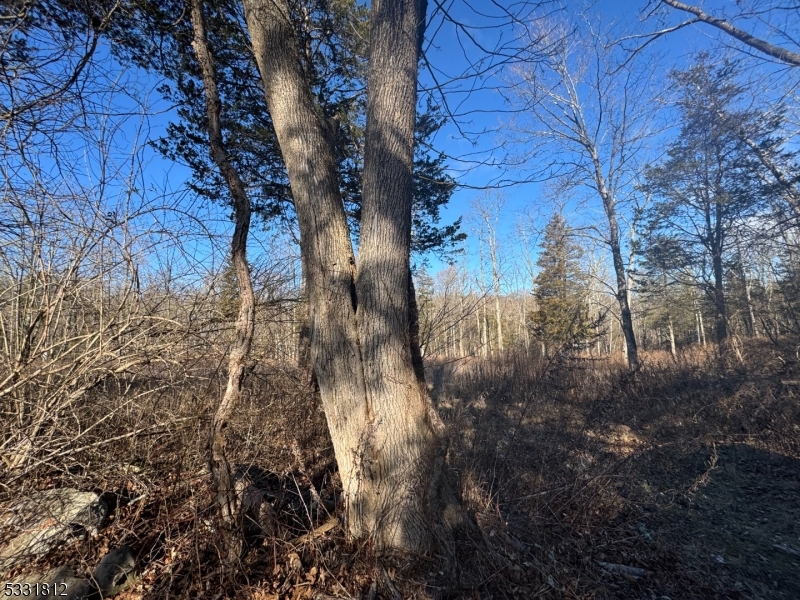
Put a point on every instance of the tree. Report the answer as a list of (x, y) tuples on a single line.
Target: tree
[(46, 61), (239, 354), (341, 166), (386, 434), (487, 214), (709, 184), (562, 316), (587, 140), (333, 51), (663, 256)]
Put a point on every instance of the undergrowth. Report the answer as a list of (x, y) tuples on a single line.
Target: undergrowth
[(583, 480)]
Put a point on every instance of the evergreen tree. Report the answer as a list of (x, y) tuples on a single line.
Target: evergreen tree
[(228, 293), (660, 285), (713, 179), (334, 36), (562, 316)]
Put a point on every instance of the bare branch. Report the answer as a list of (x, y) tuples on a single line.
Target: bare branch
[(782, 54)]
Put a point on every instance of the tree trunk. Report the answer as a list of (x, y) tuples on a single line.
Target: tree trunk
[(496, 287), (399, 489), (611, 337), (702, 327), (750, 307), (721, 320), (487, 333), (721, 317), (222, 480), (626, 319), (386, 434), (327, 254), (461, 316), (697, 326), (671, 336), (413, 320)]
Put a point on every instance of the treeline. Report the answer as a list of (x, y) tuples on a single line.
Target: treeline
[(711, 221)]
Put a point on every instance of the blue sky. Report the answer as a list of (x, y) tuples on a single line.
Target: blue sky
[(472, 139), (484, 114)]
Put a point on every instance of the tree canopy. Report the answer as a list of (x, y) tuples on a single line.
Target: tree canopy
[(333, 35)]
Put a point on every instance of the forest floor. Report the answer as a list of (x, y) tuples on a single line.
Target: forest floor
[(681, 481)]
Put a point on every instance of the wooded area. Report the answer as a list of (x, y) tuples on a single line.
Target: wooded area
[(270, 330)]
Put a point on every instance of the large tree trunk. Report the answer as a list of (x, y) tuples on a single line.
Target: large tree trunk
[(385, 432), (226, 498), (395, 500)]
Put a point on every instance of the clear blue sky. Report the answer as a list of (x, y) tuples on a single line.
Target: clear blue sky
[(481, 113)]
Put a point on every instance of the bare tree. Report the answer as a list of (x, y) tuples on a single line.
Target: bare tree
[(245, 322), (446, 308), (586, 119), (77, 308), (46, 64), (487, 214)]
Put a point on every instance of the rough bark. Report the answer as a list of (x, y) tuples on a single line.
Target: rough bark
[(385, 432), (245, 323), (327, 254), (399, 486)]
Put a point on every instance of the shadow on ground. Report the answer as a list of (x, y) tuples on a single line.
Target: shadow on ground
[(680, 482)]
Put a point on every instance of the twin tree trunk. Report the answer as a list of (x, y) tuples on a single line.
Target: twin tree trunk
[(386, 435)]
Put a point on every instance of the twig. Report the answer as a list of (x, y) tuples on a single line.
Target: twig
[(622, 569)]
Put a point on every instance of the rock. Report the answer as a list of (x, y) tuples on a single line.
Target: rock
[(64, 582), (114, 573), (634, 572), (46, 519), (251, 485)]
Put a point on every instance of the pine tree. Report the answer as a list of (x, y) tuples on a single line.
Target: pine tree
[(562, 316), (228, 303), (333, 36), (715, 177)]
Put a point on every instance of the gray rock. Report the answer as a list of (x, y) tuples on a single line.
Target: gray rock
[(115, 572), (74, 588), (47, 519), (112, 575)]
